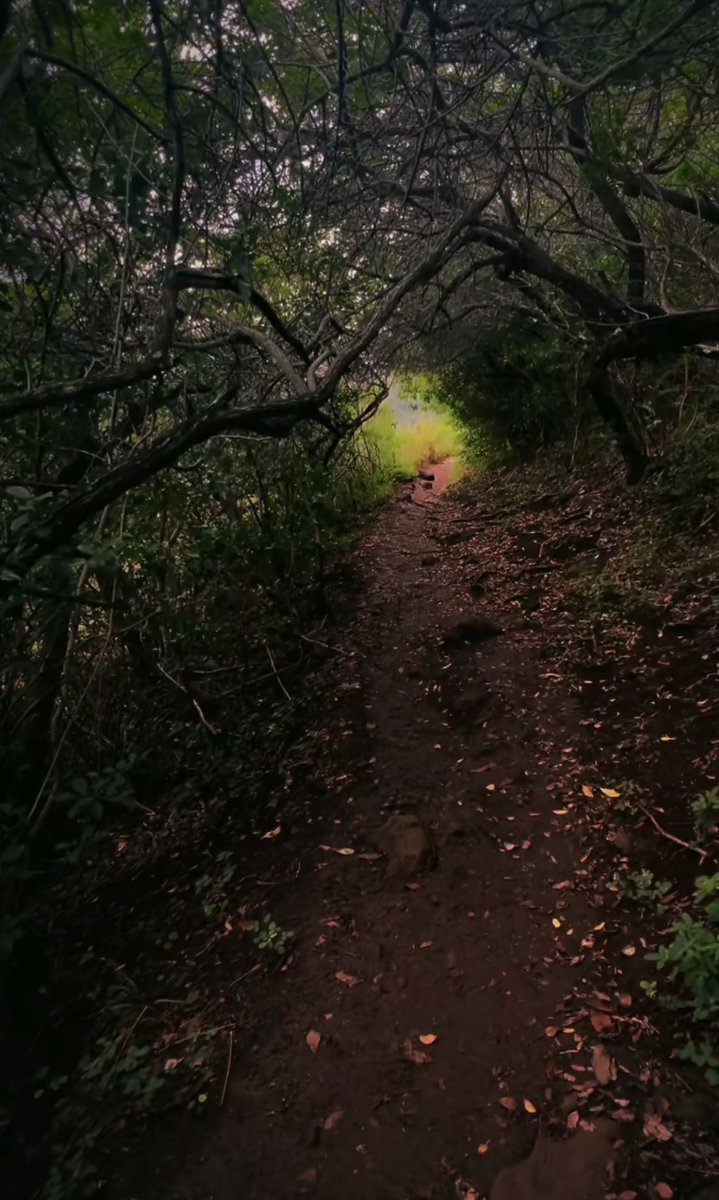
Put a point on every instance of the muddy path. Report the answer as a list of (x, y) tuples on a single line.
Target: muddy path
[(447, 991)]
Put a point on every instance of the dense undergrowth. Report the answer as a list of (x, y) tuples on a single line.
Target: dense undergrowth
[(184, 708)]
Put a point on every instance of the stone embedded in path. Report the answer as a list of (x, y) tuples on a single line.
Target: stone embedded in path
[(472, 632), (569, 1170), (407, 843)]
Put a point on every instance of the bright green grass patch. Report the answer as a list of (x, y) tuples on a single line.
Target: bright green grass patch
[(409, 437)]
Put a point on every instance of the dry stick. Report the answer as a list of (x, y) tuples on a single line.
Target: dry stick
[(665, 833), (275, 672), (227, 1072), (325, 646)]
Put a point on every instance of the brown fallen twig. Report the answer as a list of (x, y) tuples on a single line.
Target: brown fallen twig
[(227, 1072), (670, 836)]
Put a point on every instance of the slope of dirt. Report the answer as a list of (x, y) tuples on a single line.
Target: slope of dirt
[(440, 1007)]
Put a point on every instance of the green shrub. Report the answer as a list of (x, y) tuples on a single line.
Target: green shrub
[(689, 960), (515, 398)]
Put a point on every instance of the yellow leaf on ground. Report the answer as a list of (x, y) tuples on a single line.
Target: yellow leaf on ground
[(610, 793)]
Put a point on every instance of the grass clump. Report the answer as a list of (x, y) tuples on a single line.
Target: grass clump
[(411, 430)]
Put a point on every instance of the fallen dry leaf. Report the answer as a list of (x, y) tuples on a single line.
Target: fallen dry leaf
[(603, 1065), (610, 793), (629, 951), (664, 1191), (333, 1120), (508, 1102), (625, 1000), (601, 1022), (271, 833), (556, 923), (551, 1031), (425, 945), (307, 1181), (482, 1148), (418, 1057), (346, 850), (529, 1107), (349, 980), (627, 1196), (313, 1040), (562, 887), (655, 1128), (428, 1039), (587, 791), (573, 1120)]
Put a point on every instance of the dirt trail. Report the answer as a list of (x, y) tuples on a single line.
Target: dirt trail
[(432, 1026), (479, 952)]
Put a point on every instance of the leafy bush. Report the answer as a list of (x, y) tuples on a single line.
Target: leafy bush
[(686, 485), (514, 397), (690, 962)]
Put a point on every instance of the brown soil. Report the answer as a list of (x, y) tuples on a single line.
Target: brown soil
[(441, 1006)]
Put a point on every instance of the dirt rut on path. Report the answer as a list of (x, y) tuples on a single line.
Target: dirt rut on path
[(430, 992)]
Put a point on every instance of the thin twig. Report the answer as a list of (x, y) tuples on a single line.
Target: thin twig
[(325, 646), (276, 673), (670, 836), (227, 1072)]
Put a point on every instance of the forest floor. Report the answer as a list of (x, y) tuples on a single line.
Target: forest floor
[(463, 979)]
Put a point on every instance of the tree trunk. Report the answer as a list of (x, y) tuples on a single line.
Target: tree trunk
[(627, 436)]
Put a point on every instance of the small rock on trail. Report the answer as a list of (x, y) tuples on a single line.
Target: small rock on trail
[(407, 843)]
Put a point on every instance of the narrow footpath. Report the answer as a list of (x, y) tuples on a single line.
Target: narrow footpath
[(444, 1010)]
